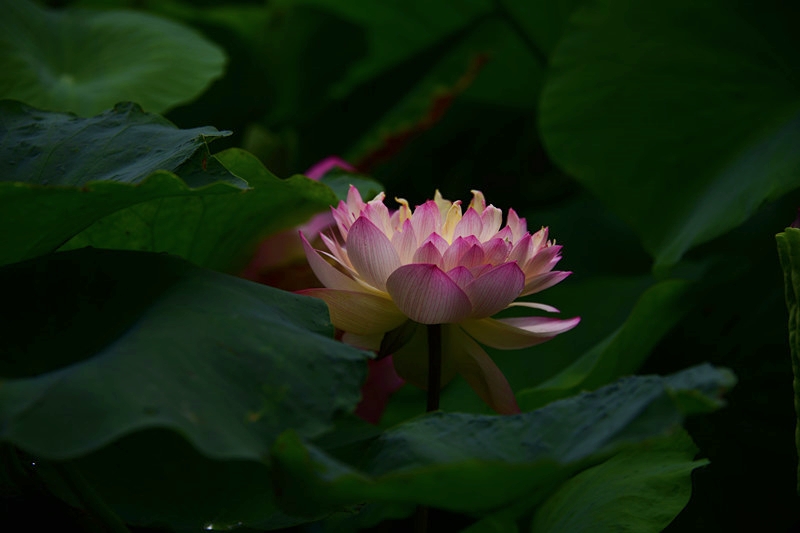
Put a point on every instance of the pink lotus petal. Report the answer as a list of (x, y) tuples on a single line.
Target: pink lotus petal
[(326, 273), (496, 251), (354, 202), (519, 226), (516, 333), (427, 295), (494, 290), (371, 253), (426, 220), (534, 305), (480, 372), (540, 283), (451, 258), (336, 250), (506, 234), (411, 361), (543, 261), (405, 242), (378, 214), (539, 238), (474, 257), (359, 313), (438, 241), (492, 219), (478, 202), (427, 253), (326, 165), (522, 251), (461, 275), (469, 225)]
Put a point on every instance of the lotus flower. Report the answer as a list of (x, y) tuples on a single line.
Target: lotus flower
[(437, 265)]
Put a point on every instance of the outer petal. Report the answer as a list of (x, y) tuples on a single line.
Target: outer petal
[(540, 283), (427, 295), (534, 305), (327, 273), (478, 369), (494, 290), (371, 253), (359, 313), (492, 219), (515, 333)]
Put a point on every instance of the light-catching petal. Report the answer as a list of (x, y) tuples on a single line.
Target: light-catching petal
[(516, 333), (427, 295), (360, 313)]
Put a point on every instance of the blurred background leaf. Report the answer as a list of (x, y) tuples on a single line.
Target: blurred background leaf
[(84, 61)]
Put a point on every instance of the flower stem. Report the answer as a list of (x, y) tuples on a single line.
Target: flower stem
[(434, 365)]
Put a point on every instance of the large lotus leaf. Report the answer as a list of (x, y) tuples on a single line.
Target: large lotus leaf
[(85, 61), (104, 343), (683, 117), (477, 463), (123, 144), (221, 231), (789, 252), (637, 491)]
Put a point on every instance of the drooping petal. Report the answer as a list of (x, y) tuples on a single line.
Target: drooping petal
[(411, 361), (326, 273), (542, 282), (371, 253), (478, 369), (535, 305), (403, 213), (359, 313), (491, 292), (427, 295), (516, 333)]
